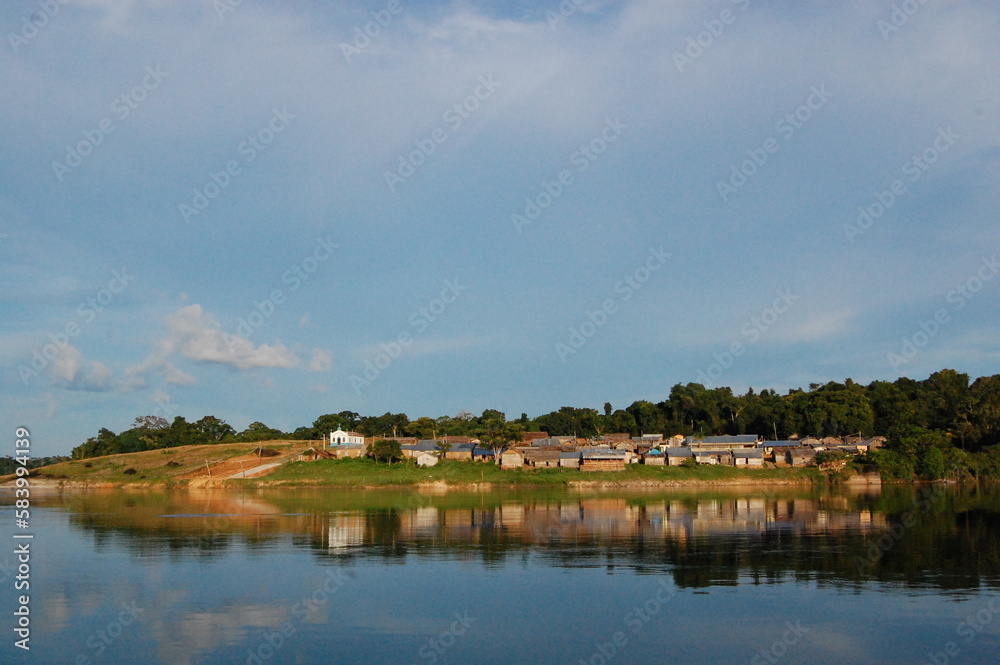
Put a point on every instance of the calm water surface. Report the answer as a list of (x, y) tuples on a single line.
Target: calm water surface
[(901, 575)]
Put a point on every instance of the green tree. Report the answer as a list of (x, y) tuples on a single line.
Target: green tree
[(984, 405), (492, 414), (837, 409), (497, 435), (385, 450), (931, 464), (213, 429), (946, 394), (422, 428), (388, 424), (329, 422), (258, 431), (892, 465), (150, 423)]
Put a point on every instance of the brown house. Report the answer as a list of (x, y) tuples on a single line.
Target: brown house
[(511, 459), (603, 459), (312, 454), (541, 457)]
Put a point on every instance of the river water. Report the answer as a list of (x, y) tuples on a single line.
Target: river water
[(900, 574)]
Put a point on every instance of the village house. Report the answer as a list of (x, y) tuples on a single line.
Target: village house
[(654, 457), (541, 457), (749, 458), (425, 446), (676, 456), (482, 454), (800, 456), (570, 459), (341, 438), (775, 450), (723, 442), (604, 459), (425, 458), (348, 450), (512, 458), (705, 456), (312, 454), (460, 451)]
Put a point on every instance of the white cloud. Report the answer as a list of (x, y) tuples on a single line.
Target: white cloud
[(321, 360), (819, 326), (73, 372), (197, 335)]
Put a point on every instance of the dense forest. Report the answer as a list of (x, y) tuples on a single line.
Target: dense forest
[(945, 425)]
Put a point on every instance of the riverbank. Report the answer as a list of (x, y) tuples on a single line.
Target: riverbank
[(243, 466)]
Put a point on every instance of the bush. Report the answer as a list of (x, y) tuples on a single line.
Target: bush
[(129, 472), (892, 465), (826, 456)]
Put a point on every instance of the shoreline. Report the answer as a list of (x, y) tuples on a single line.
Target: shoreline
[(59, 485)]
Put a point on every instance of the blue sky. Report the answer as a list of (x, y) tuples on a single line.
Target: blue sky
[(486, 205)]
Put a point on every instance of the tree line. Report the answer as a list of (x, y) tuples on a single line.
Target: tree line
[(933, 426)]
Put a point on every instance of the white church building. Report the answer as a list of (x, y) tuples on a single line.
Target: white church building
[(342, 438)]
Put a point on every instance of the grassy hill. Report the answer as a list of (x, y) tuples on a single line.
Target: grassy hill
[(168, 466), (190, 465)]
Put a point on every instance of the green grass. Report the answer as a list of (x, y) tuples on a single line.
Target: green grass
[(152, 469), (364, 472), (151, 466)]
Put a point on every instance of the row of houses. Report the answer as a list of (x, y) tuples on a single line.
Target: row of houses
[(608, 453)]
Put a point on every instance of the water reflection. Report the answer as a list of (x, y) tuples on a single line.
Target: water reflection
[(939, 537)]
